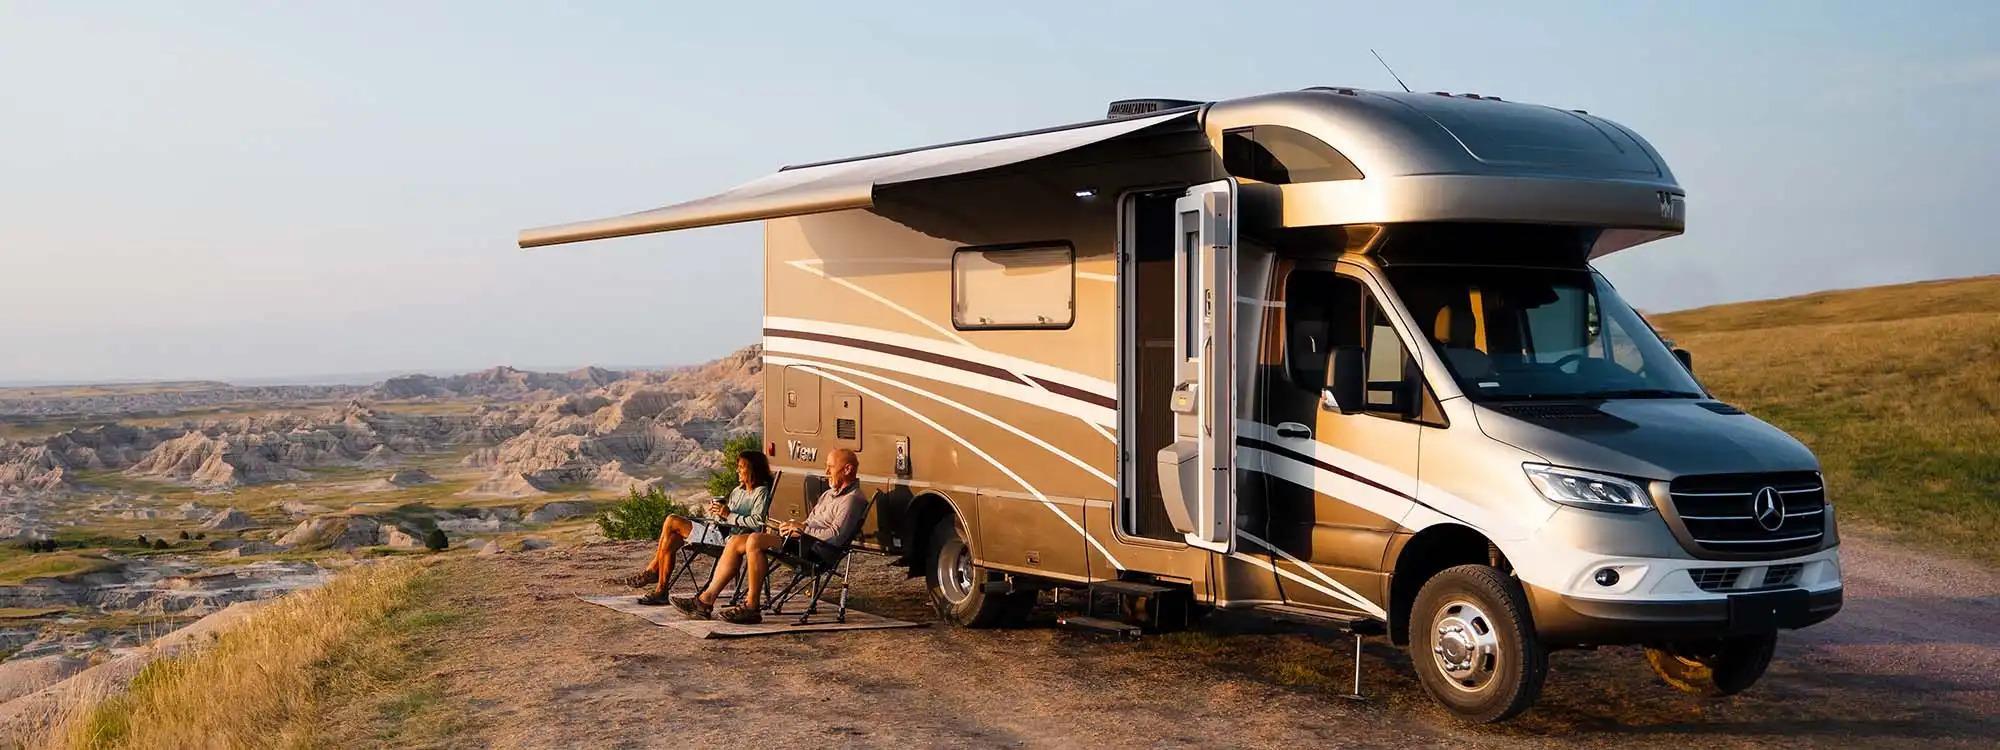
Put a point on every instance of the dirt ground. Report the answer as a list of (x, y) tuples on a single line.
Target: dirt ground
[(1913, 660)]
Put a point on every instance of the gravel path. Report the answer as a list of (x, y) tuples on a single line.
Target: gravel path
[(1913, 660)]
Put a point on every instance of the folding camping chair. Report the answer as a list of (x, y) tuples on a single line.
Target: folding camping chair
[(692, 550), (811, 578)]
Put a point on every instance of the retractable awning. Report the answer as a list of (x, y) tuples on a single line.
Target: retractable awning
[(841, 185)]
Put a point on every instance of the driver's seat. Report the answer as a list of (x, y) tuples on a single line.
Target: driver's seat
[(1456, 333)]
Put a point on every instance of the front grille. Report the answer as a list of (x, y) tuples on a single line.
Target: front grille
[(1719, 512), (1715, 579)]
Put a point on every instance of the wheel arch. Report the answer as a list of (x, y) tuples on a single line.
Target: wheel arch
[(1425, 554), (924, 511)]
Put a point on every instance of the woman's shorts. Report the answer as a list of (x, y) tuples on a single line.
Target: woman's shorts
[(704, 532)]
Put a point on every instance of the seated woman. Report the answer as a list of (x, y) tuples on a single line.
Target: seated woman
[(744, 509)]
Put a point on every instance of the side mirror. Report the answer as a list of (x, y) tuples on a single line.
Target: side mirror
[(1687, 360), (1347, 383)]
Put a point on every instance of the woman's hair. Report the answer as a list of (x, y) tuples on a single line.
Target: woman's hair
[(760, 469)]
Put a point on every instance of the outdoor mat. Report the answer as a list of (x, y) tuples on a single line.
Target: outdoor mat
[(772, 625)]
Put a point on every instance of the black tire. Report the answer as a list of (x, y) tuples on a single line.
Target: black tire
[(957, 587), (1473, 646), (1713, 667)]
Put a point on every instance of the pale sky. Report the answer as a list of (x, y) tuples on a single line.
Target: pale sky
[(243, 190)]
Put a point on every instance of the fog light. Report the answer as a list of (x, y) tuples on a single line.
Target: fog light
[(1606, 576)]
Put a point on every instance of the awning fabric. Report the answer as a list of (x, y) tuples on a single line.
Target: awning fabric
[(841, 185)]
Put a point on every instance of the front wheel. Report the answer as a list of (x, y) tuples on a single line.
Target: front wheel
[(958, 587), (1472, 645), (1713, 667)]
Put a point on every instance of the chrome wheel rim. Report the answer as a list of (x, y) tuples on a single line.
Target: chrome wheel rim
[(954, 571), (1465, 646)]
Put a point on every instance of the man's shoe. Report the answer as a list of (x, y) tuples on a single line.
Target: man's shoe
[(743, 615), (693, 608), (654, 599)]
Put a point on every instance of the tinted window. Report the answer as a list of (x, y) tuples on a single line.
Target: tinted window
[(1281, 155), (1529, 333), (1324, 310), (1321, 309)]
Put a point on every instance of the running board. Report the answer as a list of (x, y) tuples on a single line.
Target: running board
[(1099, 624), (1320, 617), (1132, 588)]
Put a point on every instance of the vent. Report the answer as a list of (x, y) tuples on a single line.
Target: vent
[(1783, 575), (846, 429), (1719, 407), (1715, 579), (1720, 512), (1551, 411), (1570, 415), (1124, 108)]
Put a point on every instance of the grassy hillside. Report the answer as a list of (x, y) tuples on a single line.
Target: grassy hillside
[(1897, 388), (341, 666)]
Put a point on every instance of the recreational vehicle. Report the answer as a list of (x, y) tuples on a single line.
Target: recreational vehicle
[(1331, 354)]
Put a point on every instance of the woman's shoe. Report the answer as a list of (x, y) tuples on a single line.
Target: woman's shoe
[(693, 608), (743, 615), (654, 599)]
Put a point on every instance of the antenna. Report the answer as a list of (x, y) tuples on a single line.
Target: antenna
[(1392, 71)]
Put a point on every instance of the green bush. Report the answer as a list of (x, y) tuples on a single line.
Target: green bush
[(639, 515), (722, 480), (436, 541)]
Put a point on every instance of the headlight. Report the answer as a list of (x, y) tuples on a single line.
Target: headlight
[(1585, 489)]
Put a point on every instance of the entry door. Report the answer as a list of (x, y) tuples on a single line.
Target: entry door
[(1204, 400)]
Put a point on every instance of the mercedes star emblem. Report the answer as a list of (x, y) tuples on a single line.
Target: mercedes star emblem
[(1768, 507)]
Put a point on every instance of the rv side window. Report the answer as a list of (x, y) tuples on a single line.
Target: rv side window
[(1013, 287), (1280, 155)]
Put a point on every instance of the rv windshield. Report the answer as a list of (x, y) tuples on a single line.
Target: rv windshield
[(1535, 333)]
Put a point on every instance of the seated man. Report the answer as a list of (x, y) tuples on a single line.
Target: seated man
[(834, 520)]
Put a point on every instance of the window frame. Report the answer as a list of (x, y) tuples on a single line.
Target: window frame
[(952, 302), (1250, 132), (1429, 411)]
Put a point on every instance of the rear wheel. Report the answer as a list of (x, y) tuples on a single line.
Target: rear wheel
[(1472, 645), (958, 587), (1713, 667)]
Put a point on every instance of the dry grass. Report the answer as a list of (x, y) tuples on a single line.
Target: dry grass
[(63, 565), (340, 666), (1897, 389)]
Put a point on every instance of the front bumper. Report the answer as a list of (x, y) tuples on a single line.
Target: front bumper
[(1568, 620), (1658, 599)]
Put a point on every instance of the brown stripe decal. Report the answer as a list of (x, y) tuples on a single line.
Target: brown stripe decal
[(951, 362), (1074, 392)]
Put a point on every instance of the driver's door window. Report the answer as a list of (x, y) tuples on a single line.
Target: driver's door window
[(1325, 310)]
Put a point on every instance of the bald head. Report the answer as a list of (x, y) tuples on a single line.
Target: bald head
[(841, 467)]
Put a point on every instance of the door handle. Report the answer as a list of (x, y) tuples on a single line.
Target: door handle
[(1294, 430)]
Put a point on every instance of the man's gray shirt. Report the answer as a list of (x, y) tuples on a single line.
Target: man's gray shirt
[(837, 517)]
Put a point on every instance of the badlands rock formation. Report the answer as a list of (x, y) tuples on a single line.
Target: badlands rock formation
[(635, 432), (539, 432)]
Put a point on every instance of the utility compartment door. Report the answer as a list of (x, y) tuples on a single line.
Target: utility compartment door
[(1197, 472)]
